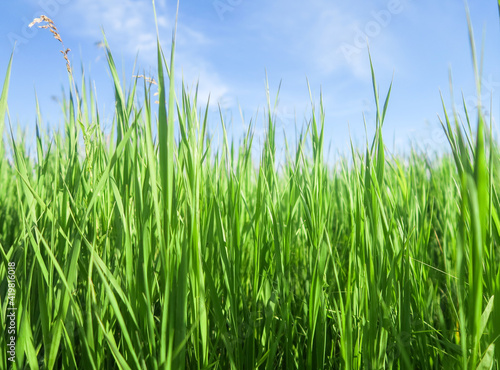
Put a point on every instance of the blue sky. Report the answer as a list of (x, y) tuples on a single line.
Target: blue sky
[(228, 45)]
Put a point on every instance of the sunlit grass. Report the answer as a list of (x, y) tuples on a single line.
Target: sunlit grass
[(151, 252)]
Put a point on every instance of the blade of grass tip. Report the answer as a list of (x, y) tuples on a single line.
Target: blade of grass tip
[(480, 167), (481, 177), (375, 91), (472, 45), (166, 145), (3, 99), (457, 142), (119, 97), (468, 134), (481, 60), (380, 121), (479, 205), (386, 103), (131, 96), (479, 231), (204, 131), (166, 125)]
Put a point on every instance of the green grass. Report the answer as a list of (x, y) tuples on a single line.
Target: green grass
[(151, 252)]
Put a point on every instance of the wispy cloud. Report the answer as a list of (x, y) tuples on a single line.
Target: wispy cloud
[(129, 27), (330, 36)]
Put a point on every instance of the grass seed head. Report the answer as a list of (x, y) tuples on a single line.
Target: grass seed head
[(50, 25)]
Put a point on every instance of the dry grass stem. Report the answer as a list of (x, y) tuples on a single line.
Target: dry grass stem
[(50, 25), (151, 80)]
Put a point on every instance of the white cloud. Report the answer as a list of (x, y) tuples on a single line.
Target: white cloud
[(130, 29), (331, 36), (126, 23), (209, 83)]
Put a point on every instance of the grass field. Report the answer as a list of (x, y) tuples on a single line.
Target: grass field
[(156, 249)]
